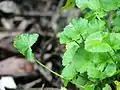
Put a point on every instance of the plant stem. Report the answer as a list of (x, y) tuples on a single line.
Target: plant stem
[(52, 71), (48, 69)]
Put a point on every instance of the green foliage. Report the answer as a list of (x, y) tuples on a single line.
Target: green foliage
[(92, 45), (74, 30), (24, 42), (95, 43)]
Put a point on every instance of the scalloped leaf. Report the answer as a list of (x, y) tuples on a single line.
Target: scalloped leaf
[(24, 42), (95, 43)]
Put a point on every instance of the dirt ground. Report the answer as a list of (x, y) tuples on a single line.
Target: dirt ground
[(33, 16)]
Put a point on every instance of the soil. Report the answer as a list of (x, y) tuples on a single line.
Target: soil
[(34, 16)]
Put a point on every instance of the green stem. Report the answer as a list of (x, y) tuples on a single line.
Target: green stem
[(52, 71), (48, 69)]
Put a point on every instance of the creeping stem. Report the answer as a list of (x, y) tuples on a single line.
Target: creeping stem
[(37, 61)]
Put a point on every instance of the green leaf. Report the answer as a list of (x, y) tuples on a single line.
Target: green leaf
[(74, 30), (69, 4), (63, 88), (97, 46), (109, 4), (64, 39), (81, 80), (66, 82), (118, 13), (69, 72), (69, 54), (93, 72), (116, 23), (81, 60), (113, 39), (90, 15), (107, 87), (80, 24), (24, 42), (82, 3), (100, 58), (94, 4), (89, 87), (100, 14), (71, 32), (95, 43), (96, 25), (117, 84), (104, 5), (92, 44), (110, 69)]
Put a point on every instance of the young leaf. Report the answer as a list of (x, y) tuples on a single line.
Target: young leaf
[(74, 30), (24, 42), (69, 4), (95, 43), (80, 24), (71, 32), (97, 46), (96, 25)]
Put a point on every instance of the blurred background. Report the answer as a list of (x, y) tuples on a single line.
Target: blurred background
[(44, 17)]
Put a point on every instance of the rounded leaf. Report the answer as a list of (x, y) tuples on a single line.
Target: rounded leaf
[(24, 42)]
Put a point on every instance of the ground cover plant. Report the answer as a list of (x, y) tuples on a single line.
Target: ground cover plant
[(92, 57)]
